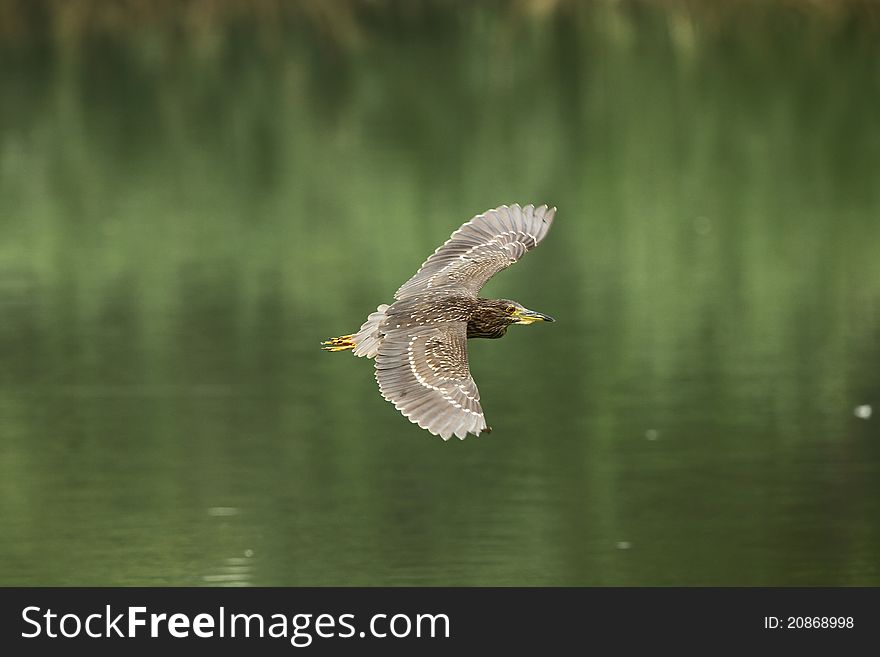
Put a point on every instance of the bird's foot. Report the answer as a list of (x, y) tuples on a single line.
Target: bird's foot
[(339, 344)]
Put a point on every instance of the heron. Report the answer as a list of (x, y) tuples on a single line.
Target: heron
[(419, 342)]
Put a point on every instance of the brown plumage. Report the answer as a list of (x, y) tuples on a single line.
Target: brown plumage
[(420, 341)]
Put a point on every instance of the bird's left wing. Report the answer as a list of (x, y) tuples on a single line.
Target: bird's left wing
[(480, 249), (423, 371)]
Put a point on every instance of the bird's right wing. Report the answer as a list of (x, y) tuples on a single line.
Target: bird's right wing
[(423, 371), (480, 249)]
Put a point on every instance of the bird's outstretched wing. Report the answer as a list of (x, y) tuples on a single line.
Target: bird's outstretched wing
[(480, 249), (423, 371)]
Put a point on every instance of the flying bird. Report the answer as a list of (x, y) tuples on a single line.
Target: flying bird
[(419, 342)]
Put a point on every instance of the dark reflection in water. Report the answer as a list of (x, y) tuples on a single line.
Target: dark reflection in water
[(182, 223)]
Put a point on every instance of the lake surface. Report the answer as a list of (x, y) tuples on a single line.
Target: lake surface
[(188, 208)]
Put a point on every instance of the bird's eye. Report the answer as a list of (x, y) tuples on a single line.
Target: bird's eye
[(510, 309)]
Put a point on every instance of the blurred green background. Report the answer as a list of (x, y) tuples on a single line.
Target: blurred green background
[(194, 194)]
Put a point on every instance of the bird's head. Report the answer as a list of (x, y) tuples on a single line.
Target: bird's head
[(516, 313), (493, 316)]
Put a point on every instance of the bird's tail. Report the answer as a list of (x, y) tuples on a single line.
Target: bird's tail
[(366, 341), (339, 344)]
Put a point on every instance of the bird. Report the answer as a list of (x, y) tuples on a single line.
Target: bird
[(419, 341)]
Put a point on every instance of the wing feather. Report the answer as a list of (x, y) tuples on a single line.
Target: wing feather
[(480, 249), (424, 372)]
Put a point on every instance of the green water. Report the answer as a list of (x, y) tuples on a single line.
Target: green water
[(185, 214)]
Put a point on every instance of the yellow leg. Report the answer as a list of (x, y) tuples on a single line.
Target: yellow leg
[(339, 344)]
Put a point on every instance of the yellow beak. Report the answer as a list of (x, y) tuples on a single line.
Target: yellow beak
[(530, 317)]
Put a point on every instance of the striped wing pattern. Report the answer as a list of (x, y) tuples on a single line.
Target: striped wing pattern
[(423, 371), (480, 249)]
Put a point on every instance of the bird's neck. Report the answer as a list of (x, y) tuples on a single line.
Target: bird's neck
[(477, 328)]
